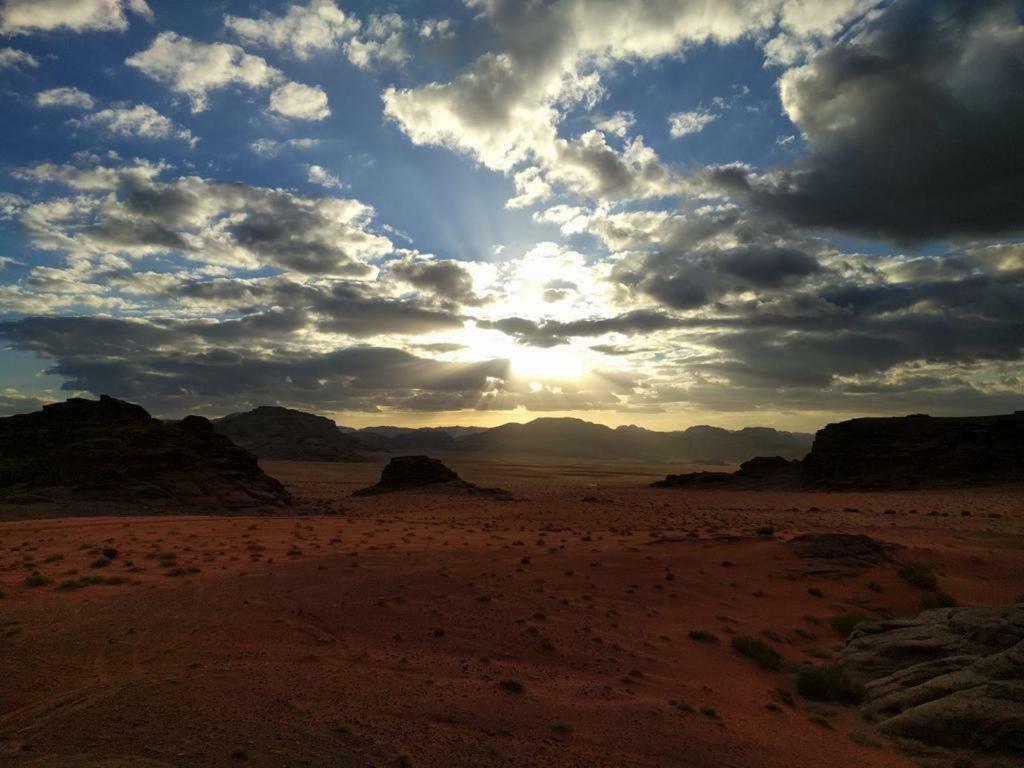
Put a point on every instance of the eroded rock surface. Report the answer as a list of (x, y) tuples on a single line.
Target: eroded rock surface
[(951, 677), (108, 450)]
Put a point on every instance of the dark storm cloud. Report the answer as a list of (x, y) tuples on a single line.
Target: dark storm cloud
[(156, 365), (913, 124), (346, 308), (448, 280)]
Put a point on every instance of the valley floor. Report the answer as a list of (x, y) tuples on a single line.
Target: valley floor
[(430, 630)]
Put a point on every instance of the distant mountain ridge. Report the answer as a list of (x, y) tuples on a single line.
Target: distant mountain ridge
[(576, 438), (272, 432)]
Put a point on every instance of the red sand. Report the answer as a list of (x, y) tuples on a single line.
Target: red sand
[(379, 634)]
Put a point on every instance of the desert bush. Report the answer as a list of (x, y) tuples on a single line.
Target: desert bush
[(512, 686), (845, 622), (36, 579), (938, 600), (918, 575), (703, 636), (763, 654), (829, 683)]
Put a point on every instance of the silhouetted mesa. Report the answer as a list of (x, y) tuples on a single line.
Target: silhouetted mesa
[(948, 677), (420, 473), (917, 452), (112, 451), (760, 473), (272, 432)]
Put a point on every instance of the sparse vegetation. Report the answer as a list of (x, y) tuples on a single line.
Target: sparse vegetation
[(829, 683), (763, 654)]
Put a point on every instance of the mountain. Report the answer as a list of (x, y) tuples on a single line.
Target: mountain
[(575, 438), (411, 439), (110, 451), (273, 432)]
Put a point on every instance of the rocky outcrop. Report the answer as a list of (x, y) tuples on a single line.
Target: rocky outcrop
[(852, 549), (948, 677), (112, 451), (276, 433), (420, 473), (916, 452), (760, 473)]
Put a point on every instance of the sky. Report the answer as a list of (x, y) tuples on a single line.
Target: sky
[(658, 212)]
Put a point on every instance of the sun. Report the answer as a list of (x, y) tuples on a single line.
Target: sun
[(565, 362)]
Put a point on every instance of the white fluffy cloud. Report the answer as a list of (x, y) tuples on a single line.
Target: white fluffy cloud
[(303, 30), (12, 58), (272, 147), (194, 69), (64, 97), (18, 17), (138, 121), (437, 29), (381, 43), (684, 123), (302, 102)]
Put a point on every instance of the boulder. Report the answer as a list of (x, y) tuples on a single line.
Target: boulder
[(422, 472), (951, 677), (112, 451)]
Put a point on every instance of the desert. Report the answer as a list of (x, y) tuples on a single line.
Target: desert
[(583, 618)]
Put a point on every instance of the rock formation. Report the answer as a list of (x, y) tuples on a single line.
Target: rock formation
[(272, 432), (112, 451), (760, 473), (419, 473), (948, 677), (916, 452)]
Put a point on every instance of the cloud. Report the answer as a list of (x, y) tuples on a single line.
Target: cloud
[(319, 175), (912, 123), (685, 123), (12, 58), (272, 147), (194, 69), (64, 97), (140, 121), (381, 43), (448, 280), (303, 30), (302, 102), (19, 17), (617, 124), (230, 224), (437, 29)]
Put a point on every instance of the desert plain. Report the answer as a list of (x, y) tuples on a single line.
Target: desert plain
[(585, 621)]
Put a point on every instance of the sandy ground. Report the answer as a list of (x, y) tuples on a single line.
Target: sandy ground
[(429, 630)]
